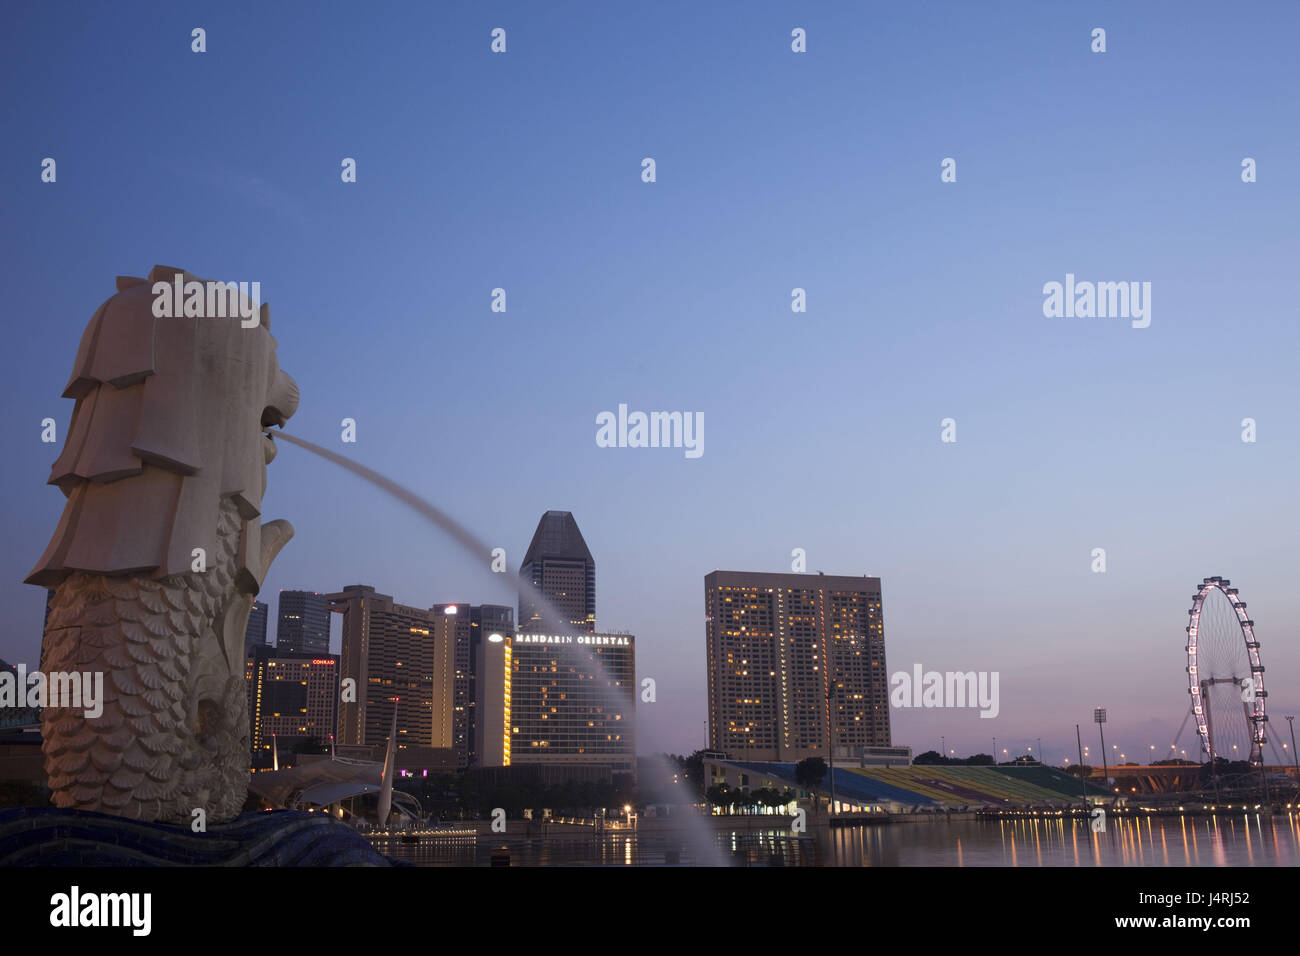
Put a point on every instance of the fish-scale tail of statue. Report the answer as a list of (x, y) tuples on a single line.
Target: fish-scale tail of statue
[(172, 737)]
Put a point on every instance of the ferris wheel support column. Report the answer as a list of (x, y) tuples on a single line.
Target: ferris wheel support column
[(1263, 773), (1209, 721), (1209, 728), (1263, 769)]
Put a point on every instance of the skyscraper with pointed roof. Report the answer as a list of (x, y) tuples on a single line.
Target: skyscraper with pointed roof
[(572, 690), (559, 564)]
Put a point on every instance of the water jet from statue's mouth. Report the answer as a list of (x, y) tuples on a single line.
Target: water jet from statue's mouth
[(701, 835), (462, 535)]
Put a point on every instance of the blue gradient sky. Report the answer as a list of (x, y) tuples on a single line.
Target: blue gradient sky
[(775, 170)]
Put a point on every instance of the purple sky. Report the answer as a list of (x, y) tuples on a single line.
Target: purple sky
[(775, 170)]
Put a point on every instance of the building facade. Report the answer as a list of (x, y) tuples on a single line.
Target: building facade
[(390, 654), (491, 731), (303, 623), (795, 661), (490, 695), (453, 700), (471, 692), (573, 700), (291, 698)]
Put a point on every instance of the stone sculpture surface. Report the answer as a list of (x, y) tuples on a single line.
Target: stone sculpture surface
[(159, 553)]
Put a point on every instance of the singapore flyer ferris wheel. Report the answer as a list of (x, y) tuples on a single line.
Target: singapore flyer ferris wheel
[(1225, 676)]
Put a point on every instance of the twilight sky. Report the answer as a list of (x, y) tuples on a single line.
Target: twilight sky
[(775, 170)]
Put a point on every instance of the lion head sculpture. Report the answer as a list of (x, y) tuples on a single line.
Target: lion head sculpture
[(159, 553)]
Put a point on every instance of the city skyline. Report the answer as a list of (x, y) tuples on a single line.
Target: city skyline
[(825, 428), (1057, 748)]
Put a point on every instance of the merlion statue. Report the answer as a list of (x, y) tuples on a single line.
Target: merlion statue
[(161, 550)]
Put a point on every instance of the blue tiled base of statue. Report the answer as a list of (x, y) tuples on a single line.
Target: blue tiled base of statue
[(45, 836)]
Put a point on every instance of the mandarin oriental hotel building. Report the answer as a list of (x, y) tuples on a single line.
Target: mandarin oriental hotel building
[(573, 700)]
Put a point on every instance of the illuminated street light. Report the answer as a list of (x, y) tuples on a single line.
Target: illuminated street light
[(1099, 718)]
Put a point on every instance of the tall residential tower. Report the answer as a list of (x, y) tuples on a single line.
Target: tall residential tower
[(795, 659), (390, 656)]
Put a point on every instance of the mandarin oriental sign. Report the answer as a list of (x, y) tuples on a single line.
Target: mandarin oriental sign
[(600, 640)]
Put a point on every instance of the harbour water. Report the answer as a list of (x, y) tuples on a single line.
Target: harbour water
[(1247, 839), (1244, 840)]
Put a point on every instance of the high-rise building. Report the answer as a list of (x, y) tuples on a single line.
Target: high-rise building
[(559, 565), (303, 625), (475, 689), (255, 633), (573, 700), (391, 656), (439, 667), (572, 690), (795, 660), (451, 634), (294, 699), (492, 651)]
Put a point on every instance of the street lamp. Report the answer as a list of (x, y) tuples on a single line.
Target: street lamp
[(1099, 717)]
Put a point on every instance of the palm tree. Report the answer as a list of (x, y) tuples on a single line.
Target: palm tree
[(809, 773)]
